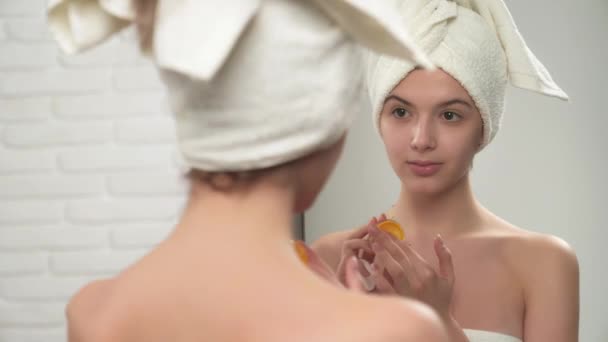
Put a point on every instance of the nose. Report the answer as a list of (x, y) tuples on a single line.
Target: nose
[(423, 135)]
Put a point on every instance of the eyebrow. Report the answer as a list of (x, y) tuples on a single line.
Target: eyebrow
[(443, 104), (396, 98)]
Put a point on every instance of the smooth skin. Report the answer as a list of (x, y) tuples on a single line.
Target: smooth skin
[(505, 279), (229, 272)]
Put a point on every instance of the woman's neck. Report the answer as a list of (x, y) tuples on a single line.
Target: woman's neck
[(237, 245), (451, 213), (253, 218)]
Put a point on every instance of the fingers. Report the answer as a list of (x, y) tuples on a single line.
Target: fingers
[(400, 271), (358, 247), (389, 243), (352, 247), (417, 270), (444, 256), (385, 261), (367, 229), (388, 250), (417, 261), (359, 233), (353, 278), (382, 285), (390, 257), (371, 225)]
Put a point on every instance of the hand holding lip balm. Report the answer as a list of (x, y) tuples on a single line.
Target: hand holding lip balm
[(392, 227), (389, 226), (357, 280)]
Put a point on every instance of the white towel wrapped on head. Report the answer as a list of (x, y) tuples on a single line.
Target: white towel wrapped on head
[(252, 83), (477, 43)]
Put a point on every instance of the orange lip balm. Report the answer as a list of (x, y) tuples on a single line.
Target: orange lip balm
[(392, 227)]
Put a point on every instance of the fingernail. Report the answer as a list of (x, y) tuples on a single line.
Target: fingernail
[(441, 242), (354, 262)]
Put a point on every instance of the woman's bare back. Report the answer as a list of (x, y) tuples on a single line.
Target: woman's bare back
[(166, 298)]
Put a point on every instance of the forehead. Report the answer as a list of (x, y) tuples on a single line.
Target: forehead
[(434, 85)]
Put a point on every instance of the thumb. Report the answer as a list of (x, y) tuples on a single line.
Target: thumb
[(444, 255)]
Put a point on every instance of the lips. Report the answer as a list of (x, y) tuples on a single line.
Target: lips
[(424, 168)]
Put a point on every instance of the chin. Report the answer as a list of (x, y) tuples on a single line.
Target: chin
[(424, 186), (434, 185), (423, 190)]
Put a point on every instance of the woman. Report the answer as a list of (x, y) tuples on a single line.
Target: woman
[(498, 281), (261, 93)]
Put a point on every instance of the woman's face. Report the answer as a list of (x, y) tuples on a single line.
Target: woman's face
[(431, 130)]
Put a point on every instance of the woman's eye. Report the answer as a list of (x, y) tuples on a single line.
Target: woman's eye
[(400, 112), (451, 116)]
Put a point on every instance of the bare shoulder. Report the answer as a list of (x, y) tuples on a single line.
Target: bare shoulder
[(89, 314), (89, 298), (532, 250), (537, 256), (406, 320), (547, 269)]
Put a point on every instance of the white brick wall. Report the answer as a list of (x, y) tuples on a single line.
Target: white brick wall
[(27, 30), (25, 109), (55, 81), (18, 9), (88, 176), (26, 55)]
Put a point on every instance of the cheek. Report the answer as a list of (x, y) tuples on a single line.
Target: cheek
[(393, 134), (394, 144), (464, 148)]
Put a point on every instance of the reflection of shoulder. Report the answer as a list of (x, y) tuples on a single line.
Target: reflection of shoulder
[(524, 248), (88, 313), (541, 258)]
